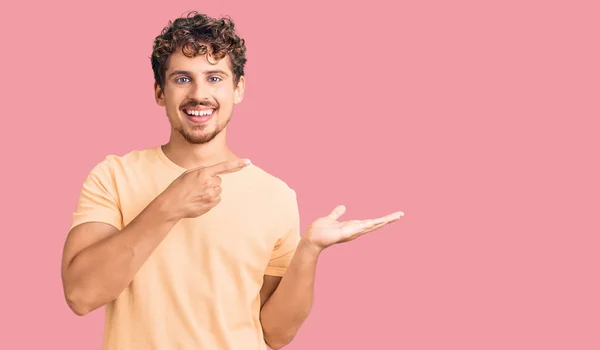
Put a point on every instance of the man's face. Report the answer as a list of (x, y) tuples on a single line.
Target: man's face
[(199, 96)]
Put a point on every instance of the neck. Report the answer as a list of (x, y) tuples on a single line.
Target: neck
[(189, 156)]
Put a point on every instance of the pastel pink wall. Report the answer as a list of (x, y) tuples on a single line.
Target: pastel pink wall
[(478, 120)]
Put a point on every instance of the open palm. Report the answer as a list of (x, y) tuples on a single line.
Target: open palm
[(327, 230)]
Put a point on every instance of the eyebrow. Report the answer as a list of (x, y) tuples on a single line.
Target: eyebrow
[(206, 72)]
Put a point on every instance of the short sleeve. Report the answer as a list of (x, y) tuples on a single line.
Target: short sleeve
[(98, 200), (287, 243)]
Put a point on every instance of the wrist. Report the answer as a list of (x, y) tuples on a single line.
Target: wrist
[(164, 209), (309, 248)]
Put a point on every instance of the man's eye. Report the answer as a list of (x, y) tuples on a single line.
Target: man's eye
[(214, 79), (180, 80)]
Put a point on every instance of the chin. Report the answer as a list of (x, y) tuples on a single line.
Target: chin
[(198, 137)]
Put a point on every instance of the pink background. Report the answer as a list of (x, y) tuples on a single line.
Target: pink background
[(479, 121)]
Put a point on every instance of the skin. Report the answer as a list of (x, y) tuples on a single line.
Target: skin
[(98, 263), (196, 80)]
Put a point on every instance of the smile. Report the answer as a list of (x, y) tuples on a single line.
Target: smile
[(203, 112), (198, 115)]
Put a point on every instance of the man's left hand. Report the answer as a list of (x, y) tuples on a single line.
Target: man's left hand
[(327, 231)]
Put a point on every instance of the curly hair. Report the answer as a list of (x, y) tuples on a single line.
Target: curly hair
[(197, 34)]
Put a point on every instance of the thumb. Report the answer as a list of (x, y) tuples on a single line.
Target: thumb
[(337, 212)]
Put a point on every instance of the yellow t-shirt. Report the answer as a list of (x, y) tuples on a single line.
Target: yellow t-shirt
[(200, 287)]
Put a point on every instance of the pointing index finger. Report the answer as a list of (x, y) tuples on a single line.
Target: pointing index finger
[(227, 166)]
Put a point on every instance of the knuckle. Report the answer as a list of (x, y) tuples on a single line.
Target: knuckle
[(216, 182), (211, 192), (203, 173), (206, 180)]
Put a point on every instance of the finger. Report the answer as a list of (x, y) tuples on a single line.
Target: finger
[(227, 166), (387, 218), (374, 227), (337, 212), (210, 193), (216, 191), (353, 227), (361, 231), (363, 226), (215, 200), (214, 181)]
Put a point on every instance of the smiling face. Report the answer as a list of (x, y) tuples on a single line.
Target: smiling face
[(199, 96)]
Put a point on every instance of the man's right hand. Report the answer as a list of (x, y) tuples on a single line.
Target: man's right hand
[(99, 260), (198, 190)]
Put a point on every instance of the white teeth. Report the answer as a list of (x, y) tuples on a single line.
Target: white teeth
[(198, 113)]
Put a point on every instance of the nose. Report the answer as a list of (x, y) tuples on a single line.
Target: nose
[(199, 91)]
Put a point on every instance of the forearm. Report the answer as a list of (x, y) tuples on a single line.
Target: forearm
[(99, 273), (290, 304)]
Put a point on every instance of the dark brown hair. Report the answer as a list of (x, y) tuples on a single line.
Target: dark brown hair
[(197, 34)]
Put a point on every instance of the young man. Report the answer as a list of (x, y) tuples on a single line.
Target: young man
[(188, 245)]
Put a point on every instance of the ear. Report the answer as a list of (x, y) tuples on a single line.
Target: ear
[(239, 90), (159, 96)]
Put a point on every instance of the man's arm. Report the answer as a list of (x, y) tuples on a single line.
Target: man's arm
[(99, 262), (289, 305)]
